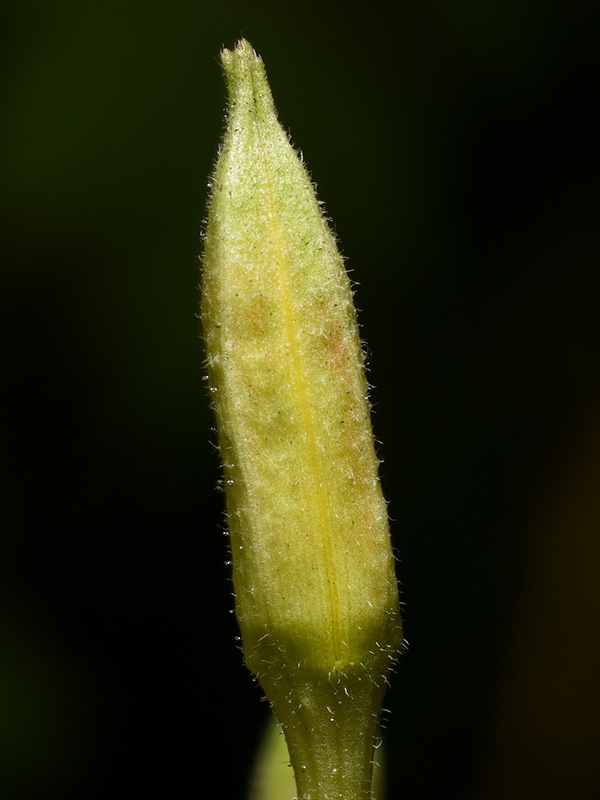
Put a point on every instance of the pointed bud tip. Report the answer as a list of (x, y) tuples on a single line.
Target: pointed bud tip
[(243, 49), (246, 79)]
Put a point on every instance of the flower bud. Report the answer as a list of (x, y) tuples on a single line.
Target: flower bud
[(315, 591)]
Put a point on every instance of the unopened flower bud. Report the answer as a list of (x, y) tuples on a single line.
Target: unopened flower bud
[(313, 570)]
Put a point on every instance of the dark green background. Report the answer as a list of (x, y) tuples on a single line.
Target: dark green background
[(455, 147)]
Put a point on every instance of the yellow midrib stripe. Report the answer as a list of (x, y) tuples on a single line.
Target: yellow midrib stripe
[(279, 256)]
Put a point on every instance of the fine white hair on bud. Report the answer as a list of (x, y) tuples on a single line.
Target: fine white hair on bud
[(313, 569)]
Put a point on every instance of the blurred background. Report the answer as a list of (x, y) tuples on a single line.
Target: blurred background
[(455, 146)]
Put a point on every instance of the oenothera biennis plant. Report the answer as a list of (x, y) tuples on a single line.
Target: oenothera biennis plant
[(315, 591)]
